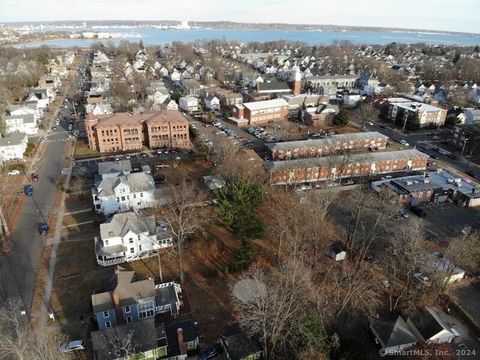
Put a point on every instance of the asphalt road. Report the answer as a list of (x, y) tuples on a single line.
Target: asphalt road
[(18, 269)]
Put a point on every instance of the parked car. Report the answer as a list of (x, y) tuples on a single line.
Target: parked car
[(417, 210), (70, 127), (14, 172), (210, 352), (74, 345), (42, 228), (28, 190), (127, 157), (404, 143), (404, 213)]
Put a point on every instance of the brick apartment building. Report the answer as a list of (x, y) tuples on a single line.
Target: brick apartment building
[(260, 112), (345, 166), (328, 146), (124, 131)]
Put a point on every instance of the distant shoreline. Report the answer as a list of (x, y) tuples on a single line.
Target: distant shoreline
[(231, 25)]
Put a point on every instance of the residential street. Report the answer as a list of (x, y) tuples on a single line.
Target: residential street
[(18, 269)]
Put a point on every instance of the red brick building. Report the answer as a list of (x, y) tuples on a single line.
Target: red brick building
[(262, 112), (124, 131), (345, 166)]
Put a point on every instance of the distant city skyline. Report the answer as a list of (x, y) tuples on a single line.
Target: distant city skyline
[(442, 15)]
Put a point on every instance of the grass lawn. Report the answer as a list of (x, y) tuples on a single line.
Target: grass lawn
[(79, 218), (82, 150), (29, 150)]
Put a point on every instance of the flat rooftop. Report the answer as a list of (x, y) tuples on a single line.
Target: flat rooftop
[(331, 140), (409, 154)]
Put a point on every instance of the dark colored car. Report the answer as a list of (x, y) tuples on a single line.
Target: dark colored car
[(417, 210), (160, 179), (28, 190), (42, 228), (210, 352), (34, 177)]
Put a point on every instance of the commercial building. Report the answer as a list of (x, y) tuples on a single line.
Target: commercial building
[(329, 84), (328, 146), (260, 112), (124, 131), (345, 166), (434, 187)]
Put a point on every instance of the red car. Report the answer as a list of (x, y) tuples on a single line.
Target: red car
[(34, 177)]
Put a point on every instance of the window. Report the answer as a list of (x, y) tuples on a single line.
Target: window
[(145, 310), (139, 247), (105, 242), (127, 309), (129, 319), (134, 196), (123, 198), (105, 314), (191, 345), (108, 324), (141, 194), (132, 250), (130, 240)]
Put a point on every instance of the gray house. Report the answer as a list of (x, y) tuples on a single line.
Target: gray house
[(127, 300)]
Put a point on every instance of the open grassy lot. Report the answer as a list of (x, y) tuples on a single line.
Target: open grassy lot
[(83, 151)]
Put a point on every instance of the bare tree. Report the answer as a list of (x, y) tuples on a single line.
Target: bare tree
[(119, 343), (367, 112), (19, 341), (403, 257), (272, 314), (185, 215)]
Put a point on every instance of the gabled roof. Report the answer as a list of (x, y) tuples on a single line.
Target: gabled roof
[(393, 333), (109, 167), (238, 345), (120, 224), (26, 119), (273, 86), (428, 323), (107, 344), (128, 291), (15, 138), (136, 182)]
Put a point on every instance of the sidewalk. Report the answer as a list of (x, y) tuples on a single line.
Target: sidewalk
[(55, 241)]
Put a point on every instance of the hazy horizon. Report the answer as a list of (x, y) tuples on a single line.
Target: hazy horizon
[(439, 15)]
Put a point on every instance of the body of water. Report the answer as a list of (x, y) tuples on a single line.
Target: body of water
[(152, 36)]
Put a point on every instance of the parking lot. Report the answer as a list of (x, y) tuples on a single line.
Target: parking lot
[(446, 220), (90, 166)]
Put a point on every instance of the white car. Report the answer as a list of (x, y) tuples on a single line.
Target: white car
[(74, 345), (14, 172), (404, 143)]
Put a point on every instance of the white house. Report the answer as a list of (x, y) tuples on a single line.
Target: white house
[(122, 193), (428, 326), (13, 146), (99, 109), (42, 102), (351, 99), (14, 110), (175, 76), (172, 105), (393, 336), (21, 123), (212, 102), (130, 236), (159, 96), (188, 103)]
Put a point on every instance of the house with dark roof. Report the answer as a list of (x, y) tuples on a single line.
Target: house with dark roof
[(238, 346), (270, 89), (127, 300), (393, 336), (182, 339), (143, 339), (427, 325)]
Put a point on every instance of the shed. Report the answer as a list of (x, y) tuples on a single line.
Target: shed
[(337, 251)]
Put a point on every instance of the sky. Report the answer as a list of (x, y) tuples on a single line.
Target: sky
[(444, 15)]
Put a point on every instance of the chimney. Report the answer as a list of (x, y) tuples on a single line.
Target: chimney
[(258, 86), (118, 309), (181, 342)]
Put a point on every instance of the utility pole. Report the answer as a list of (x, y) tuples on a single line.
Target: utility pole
[(464, 143)]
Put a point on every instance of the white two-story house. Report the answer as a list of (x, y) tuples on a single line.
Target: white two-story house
[(118, 194), (130, 236), (188, 103), (22, 123), (212, 102), (12, 146)]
